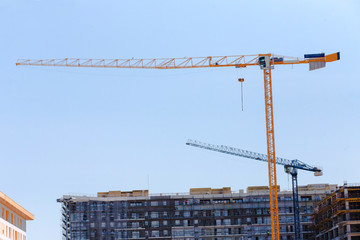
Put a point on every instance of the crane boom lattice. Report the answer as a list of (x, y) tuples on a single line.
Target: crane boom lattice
[(252, 155)]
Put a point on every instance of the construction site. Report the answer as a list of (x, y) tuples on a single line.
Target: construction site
[(338, 215), (98, 100), (205, 213), (266, 62)]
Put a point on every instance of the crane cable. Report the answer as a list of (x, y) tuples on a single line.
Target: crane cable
[(241, 80), (242, 97)]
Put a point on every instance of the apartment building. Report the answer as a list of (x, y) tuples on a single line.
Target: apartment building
[(13, 219), (338, 215), (203, 213)]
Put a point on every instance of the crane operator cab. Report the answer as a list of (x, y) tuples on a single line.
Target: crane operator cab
[(264, 62)]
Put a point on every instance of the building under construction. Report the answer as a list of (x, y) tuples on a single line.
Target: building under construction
[(338, 215), (203, 213)]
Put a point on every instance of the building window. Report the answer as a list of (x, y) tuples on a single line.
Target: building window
[(135, 235), (177, 222), (155, 234), (155, 223), (307, 209), (154, 214), (189, 233), (164, 203), (227, 221), (165, 232), (186, 213), (135, 204), (135, 224), (154, 203), (165, 223), (177, 232)]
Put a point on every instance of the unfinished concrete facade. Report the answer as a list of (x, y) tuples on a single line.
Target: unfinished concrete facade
[(203, 213), (338, 216)]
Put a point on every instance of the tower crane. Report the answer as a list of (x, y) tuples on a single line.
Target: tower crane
[(290, 167), (266, 63)]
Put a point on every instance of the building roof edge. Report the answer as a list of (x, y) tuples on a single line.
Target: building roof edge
[(16, 207)]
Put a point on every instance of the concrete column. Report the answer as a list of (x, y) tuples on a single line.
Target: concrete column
[(347, 207), (348, 230)]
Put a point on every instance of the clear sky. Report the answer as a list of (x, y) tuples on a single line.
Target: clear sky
[(72, 130)]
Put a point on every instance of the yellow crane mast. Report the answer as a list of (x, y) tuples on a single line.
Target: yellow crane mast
[(266, 63)]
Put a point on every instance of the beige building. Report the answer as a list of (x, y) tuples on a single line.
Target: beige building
[(13, 219)]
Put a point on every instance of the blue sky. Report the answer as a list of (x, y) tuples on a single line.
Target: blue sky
[(69, 130)]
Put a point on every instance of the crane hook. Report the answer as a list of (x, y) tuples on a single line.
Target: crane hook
[(241, 80)]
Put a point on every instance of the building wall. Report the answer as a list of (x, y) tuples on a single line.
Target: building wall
[(186, 216), (10, 232), (338, 215), (13, 219)]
